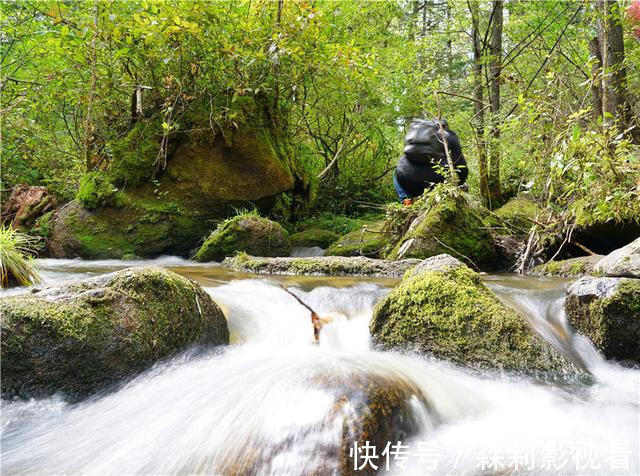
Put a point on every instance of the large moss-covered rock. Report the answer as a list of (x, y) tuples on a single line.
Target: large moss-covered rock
[(246, 233), (445, 311), (447, 223), (567, 268), (370, 240), (607, 311), (314, 237), (321, 265), (168, 208), (83, 337)]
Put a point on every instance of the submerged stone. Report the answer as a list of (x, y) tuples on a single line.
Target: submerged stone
[(245, 233), (83, 337), (607, 311), (447, 312)]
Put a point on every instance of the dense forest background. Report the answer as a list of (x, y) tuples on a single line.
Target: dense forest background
[(543, 94)]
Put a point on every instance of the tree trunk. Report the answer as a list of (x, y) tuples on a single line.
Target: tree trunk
[(495, 67), (596, 72), (478, 95), (614, 89), (88, 120)]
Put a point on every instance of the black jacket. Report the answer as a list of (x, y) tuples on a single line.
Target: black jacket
[(414, 177)]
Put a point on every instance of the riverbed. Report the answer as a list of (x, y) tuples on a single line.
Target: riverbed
[(255, 407)]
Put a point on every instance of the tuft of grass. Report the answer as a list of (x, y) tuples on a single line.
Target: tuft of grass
[(16, 266)]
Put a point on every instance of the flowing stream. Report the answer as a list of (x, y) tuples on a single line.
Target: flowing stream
[(267, 403)]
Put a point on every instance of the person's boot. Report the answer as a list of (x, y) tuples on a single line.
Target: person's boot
[(407, 202)]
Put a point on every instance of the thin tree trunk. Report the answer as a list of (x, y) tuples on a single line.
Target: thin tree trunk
[(449, 53), (495, 68), (596, 72), (88, 121), (614, 88), (478, 96)]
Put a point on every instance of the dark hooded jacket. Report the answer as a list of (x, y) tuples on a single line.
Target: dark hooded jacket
[(416, 176)]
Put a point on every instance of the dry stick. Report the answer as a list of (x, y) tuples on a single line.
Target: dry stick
[(527, 251), (583, 248), (315, 319), (452, 172)]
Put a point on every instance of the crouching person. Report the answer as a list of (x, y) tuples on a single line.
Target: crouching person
[(424, 160)]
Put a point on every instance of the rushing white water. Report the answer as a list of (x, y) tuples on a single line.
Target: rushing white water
[(267, 403)]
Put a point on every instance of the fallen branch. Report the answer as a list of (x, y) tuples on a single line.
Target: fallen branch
[(315, 319)]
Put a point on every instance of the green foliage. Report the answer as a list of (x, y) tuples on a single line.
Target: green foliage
[(95, 191), (340, 224), (16, 266)]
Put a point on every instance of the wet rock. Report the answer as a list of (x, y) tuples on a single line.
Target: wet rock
[(377, 412), (607, 311), (449, 314), (245, 233), (83, 337), (25, 205), (567, 268), (624, 262), (447, 223), (321, 265), (370, 240), (314, 237)]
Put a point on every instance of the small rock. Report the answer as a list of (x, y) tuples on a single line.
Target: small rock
[(245, 233), (623, 262)]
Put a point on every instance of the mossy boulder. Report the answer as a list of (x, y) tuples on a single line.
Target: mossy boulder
[(607, 311), (370, 240), (447, 223), (445, 311), (314, 237), (83, 337), (567, 268), (514, 218), (167, 206), (321, 265), (247, 233)]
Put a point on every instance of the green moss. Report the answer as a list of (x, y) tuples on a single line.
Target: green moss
[(611, 323), (567, 268), (447, 223), (452, 315), (370, 240), (249, 233), (314, 237), (514, 218), (95, 190), (135, 156), (89, 335), (320, 266)]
